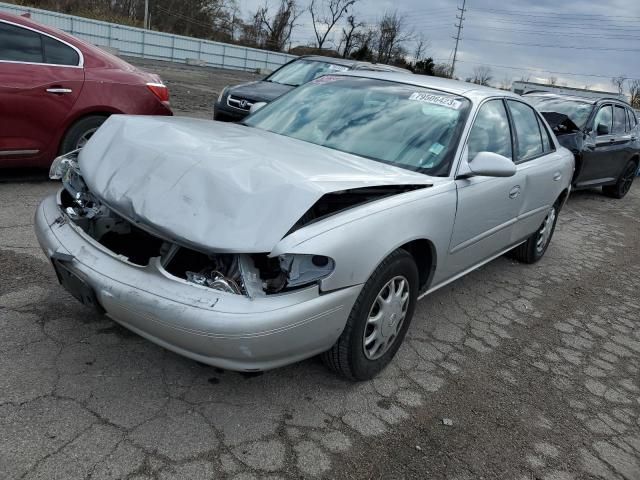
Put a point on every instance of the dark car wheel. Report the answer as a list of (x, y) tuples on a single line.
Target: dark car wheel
[(378, 321), (80, 133), (623, 185), (533, 249)]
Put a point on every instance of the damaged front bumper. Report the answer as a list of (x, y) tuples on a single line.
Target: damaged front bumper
[(223, 329)]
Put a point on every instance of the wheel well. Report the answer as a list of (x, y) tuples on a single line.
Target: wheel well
[(424, 254), (563, 197), (636, 159)]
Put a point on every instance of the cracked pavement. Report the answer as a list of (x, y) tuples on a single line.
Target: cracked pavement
[(537, 367)]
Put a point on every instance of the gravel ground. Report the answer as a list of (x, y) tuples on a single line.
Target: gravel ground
[(514, 372)]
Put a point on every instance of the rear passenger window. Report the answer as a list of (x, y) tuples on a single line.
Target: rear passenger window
[(19, 44), (525, 122), (490, 131), (619, 120), (632, 119), (58, 53), (547, 144)]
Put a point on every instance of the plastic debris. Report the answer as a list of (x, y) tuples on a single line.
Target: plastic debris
[(448, 422)]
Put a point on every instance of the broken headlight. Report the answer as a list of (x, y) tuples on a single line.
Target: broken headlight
[(305, 269), (62, 164)]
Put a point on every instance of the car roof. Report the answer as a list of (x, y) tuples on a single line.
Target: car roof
[(576, 98), (354, 64), (92, 55), (470, 90)]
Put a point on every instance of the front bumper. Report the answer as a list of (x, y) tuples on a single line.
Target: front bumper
[(221, 329), (225, 113)]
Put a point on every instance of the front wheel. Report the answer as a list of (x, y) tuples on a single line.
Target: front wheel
[(623, 185), (533, 249), (378, 321)]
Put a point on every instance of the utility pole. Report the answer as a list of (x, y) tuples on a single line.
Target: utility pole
[(457, 37), (146, 14)]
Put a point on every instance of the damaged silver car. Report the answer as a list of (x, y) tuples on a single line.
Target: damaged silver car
[(311, 228)]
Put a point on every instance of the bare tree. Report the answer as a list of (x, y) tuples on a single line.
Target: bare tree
[(619, 82), (421, 47), (525, 77), (506, 82), (348, 33), (634, 93), (278, 28), (442, 70), (482, 75), (553, 81), (325, 14), (392, 34)]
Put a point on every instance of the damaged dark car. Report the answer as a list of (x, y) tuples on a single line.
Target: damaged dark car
[(603, 135)]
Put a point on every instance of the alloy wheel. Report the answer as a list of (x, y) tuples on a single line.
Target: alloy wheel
[(386, 317), (544, 234), (82, 141)]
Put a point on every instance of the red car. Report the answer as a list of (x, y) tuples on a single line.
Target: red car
[(56, 90)]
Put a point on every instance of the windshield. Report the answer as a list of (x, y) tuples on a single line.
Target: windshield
[(576, 110), (303, 71), (402, 125)]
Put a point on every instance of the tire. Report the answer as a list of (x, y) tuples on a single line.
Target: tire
[(80, 132), (623, 185), (536, 245), (350, 356)]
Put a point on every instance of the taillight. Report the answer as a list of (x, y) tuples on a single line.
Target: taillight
[(159, 90)]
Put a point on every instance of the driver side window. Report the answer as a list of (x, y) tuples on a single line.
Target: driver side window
[(491, 131), (604, 117)]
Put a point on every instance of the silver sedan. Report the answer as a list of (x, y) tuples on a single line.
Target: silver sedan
[(311, 228)]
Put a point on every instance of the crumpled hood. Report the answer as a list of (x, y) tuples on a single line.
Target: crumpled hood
[(219, 186), (261, 91)]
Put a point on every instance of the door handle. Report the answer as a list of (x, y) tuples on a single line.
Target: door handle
[(557, 176), (59, 90), (514, 192)]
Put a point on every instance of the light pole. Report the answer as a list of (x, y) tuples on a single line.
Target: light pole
[(146, 14)]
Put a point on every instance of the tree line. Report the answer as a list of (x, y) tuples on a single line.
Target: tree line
[(337, 29)]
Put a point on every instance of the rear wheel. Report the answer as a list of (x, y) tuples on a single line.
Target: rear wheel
[(623, 185), (536, 245), (80, 133), (378, 321)]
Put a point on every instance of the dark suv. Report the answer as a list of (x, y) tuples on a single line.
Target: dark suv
[(234, 103), (602, 133)]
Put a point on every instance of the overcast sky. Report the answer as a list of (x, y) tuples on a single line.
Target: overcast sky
[(496, 34)]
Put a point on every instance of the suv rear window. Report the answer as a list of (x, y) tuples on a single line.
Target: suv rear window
[(619, 120)]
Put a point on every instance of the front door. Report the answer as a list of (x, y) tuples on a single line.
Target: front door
[(37, 89), (487, 206), (606, 144)]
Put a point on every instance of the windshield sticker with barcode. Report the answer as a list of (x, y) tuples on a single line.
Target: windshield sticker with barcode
[(441, 100), (338, 68), (326, 79)]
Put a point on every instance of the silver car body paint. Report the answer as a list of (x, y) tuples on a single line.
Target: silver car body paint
[(234, 189), (216, 186)]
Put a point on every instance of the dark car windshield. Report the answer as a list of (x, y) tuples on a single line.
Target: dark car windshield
[(403, 125), (576, 110), (303, 71)]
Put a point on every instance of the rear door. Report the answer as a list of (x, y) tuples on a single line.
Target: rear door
[(40, 80), (539, 164)]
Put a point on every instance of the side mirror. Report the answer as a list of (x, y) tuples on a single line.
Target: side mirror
[(256, 106), (602, 129), (491, 164)]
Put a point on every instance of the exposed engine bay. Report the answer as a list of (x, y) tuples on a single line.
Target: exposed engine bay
[(254, 274)]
